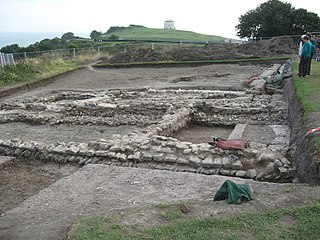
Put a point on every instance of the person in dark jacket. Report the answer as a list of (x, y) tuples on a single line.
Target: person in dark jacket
[(305, 56), (313, 51)]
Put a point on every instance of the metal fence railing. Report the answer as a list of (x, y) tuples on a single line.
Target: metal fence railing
[(6, 59), (97, 51)]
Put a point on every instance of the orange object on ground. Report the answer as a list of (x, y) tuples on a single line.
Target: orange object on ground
[(233, 144)]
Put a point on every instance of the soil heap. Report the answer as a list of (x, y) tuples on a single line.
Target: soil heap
[(277, 46)]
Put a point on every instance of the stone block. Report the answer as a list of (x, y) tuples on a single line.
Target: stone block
[(182, 161), (186, 151), (159, 157), (241, 173), (283, 170), (111, 154), (217, 163), (285, 161), (278, 163), (147, 156), (60, 149), (194, 160), (237, 165), (136, 156), (224, 172), (251, 173), (101, 153), (225, 162), (210, 172), (208, 162), (171, 159), (232, 158), (181, 145), (266, 157)]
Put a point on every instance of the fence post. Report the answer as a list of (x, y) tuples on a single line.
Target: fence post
[(2, 60), (98, 51), (152, 46), (12, 59), (124, 48), (74, 53), (25, 56)]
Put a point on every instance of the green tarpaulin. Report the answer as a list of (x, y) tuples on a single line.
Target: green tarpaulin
[(234, 193)]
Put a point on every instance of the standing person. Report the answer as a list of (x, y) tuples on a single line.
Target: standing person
[(305, 56), (313, 50), (318, 49), (301, 46)]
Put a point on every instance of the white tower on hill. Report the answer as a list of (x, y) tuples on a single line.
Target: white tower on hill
[(169, 24)]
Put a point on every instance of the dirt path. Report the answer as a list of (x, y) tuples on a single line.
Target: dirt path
[(221, 76), (99, 189)]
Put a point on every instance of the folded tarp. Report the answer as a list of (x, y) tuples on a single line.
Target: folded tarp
[(234, 193)]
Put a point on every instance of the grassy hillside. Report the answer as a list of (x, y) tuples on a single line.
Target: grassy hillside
[(144, 33)]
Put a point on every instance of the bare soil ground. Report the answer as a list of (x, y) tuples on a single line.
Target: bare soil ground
[(277, 46), (200, 134), (21, 180), (105, 190), (48, 212), (224, 76)]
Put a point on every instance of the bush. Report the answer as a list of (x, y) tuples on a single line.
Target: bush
[(15, 74)]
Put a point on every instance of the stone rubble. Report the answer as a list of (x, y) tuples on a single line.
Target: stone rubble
[(161, 113)]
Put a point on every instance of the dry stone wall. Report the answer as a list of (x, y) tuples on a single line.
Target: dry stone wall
[(160, 113)]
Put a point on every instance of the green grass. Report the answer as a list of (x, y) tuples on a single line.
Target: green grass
[(292, 223), (33, 71), (308, 92), (309, 88), (144, 33)]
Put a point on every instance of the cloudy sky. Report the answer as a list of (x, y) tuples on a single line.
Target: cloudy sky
[(83, 16)]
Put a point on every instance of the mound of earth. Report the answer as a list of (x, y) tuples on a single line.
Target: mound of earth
[(277, 46)]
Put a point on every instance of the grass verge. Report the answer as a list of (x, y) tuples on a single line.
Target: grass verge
[(308, 88), (308, 92), (34, 70), (292, 223)]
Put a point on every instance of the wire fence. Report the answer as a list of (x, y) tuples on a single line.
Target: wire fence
[(6, 59), (93, 52), (98, 51)]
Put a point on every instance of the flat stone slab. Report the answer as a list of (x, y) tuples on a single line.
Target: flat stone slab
[(237, 131), (102, 190), (270, 71)]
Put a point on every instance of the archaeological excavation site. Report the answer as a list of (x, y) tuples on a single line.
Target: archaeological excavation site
[(165, 129), (99, 139)]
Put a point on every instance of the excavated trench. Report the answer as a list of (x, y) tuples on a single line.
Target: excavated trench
[(54, 133), (154, 118), (166, 129), (301, 148)]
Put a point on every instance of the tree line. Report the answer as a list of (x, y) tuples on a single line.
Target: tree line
[(277, 18), (67, 41)]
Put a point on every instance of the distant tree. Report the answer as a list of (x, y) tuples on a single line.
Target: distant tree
[(13, 48), (113, 37), (95, 34), (115, 29), (46, 44), (305, 21), (68, 36), (275, 18)]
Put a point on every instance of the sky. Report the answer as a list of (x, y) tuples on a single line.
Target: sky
[(83, 16)]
